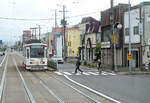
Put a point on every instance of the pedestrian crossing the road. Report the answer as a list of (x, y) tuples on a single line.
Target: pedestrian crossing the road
[(84, 73)]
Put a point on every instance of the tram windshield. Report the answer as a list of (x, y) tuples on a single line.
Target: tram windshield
[(37, 51)]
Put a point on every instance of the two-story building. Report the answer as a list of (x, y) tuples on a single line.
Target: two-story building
[(90, 34), (140, 34), (107, 38)]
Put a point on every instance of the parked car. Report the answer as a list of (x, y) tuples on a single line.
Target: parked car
[(58, 59), (2, 53)]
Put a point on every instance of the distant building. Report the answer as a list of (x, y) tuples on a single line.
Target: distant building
[(57, 41), (73, 41), (26, 35)]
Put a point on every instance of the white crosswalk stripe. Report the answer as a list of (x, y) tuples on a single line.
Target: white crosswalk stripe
[(67, 73), (59, 73), (84, 73), (93, 73), (110, 73), (103, 73)]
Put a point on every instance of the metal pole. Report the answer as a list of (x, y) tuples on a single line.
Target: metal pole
[(39, 31), (64, 25), (55, 18), (129, 35), (114, 37)]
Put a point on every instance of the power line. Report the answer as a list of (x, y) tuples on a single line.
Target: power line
[(82, 14), (5, 18), (19, 19)]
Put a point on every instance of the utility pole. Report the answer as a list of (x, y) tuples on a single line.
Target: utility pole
[(129, 25), (39, 31), (114, 37), (56, 18), (33, 32), (63, 22)]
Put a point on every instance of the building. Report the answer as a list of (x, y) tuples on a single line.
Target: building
[(73, 41), (140, 38), (26, 35), (57, 41), (90, 35), (107, 39)]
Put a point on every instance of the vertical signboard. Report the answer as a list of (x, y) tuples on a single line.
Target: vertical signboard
[(1, 42), (140, 29)]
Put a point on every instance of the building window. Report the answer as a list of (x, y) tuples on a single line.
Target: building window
[(136, 30), (127, 31)]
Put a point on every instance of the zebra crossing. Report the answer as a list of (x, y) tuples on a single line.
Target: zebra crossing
[(84, 73)]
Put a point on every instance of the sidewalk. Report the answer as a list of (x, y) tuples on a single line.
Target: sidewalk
[(120, 70)]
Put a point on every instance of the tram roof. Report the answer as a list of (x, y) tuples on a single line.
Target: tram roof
[(33, 41)]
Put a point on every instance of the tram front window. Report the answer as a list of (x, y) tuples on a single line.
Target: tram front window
[(37, 51)]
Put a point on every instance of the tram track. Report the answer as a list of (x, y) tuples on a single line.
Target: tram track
[(30, 96), (91, 100), (61, 99), (54, 94), (3, 77)]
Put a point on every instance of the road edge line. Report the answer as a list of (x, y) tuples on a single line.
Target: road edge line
[(92, 90), (3, 60), (3, 79)]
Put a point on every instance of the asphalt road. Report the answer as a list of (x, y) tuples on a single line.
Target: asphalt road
[(127, 89), (21, 86)]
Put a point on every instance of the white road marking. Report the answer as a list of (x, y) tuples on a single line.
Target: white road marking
[(86, 73), (110, 73), (103, 73), (3, 79), (67, 73), (58, 73), (93, 73), (3, 60), (78, 74), (94, 91)]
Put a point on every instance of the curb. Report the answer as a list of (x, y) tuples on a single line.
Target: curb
[(134, 73)]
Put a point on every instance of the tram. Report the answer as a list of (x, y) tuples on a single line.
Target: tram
[(35, 55)]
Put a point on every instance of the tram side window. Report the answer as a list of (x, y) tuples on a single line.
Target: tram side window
[(27, 53)]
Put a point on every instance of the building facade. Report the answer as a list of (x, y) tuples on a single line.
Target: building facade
[(139, 31), (90, 35), (73, 42), (107, 38), (26, 36)]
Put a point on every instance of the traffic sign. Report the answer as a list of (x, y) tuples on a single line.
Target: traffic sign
[(129, 56)]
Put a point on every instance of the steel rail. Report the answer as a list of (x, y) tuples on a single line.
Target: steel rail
[(49, 90), (30, 96), (77, 90)]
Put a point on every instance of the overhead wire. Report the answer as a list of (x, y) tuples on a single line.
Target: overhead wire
[(46, 19)]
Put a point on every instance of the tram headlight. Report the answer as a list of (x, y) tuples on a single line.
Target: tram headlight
[(30, 62)]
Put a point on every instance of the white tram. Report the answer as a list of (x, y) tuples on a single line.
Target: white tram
[(35, 55)]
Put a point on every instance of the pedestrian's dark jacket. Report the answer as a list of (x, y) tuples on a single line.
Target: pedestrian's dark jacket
[(78, 63)]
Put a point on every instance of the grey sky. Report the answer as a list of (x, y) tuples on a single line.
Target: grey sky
[(10, 30)]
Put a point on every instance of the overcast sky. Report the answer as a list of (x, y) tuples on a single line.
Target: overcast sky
[(11, 30)]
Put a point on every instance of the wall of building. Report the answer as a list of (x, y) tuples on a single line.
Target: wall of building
[(59, 45), (134, 18), (92, 37), (73, 42), (146, 36)]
